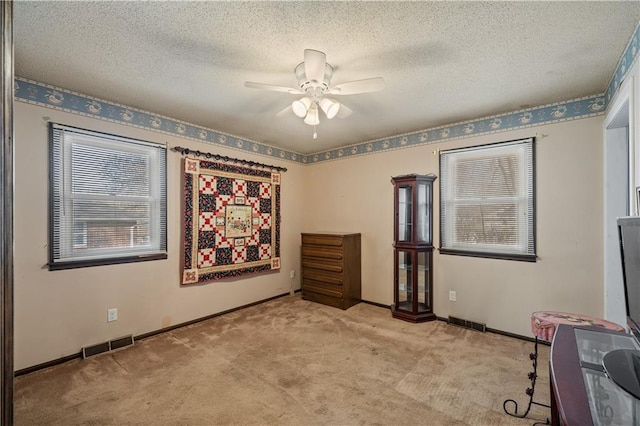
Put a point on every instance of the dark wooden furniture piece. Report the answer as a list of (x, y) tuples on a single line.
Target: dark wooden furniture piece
[(331, 269), (413, 248), (543, 327), (581, 392)]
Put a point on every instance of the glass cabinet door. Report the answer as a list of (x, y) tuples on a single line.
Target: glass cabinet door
[(405, 212), (423, 281), (423, 219), (404, 280)]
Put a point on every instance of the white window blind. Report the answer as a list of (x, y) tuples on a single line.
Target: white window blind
[(108, 199), (487, 200)]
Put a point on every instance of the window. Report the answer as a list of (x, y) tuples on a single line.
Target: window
[(487, 201), (107, 199)]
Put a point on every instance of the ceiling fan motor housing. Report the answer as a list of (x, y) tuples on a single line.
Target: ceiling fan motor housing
[(306, 85)]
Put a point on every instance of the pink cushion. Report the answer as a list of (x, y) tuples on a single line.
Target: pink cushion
[(544, 323)]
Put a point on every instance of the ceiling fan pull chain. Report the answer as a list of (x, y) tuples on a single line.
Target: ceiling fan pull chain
[(315, 134)]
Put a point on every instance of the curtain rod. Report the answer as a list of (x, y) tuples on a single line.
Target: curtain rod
[(218, 157)]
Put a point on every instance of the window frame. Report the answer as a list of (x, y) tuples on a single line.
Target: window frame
[(522, 203), (60, 184)]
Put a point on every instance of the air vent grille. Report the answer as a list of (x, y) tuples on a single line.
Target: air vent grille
[(111, 345), (468, 324)]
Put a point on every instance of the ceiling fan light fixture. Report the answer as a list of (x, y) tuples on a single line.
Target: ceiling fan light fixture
[(312, 117), (330, 107), (314, 76), (301, 106)]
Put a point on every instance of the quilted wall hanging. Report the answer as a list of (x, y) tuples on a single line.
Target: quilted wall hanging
[(231, 221)]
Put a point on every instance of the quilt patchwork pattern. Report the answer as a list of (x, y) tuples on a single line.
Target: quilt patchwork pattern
[(231, 221)]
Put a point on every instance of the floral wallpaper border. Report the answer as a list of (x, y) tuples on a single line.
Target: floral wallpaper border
[(562, 111), (53, 97), (626, 62)]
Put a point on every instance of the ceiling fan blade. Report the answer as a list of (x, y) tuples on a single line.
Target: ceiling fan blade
[(314, 64), (284, 111), (273, 88), (344, 111), (358, 86)]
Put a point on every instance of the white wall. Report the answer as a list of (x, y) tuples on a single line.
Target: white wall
[(356, 195), (58, 312)]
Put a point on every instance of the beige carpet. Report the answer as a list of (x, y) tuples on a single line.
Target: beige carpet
[(292, 362)]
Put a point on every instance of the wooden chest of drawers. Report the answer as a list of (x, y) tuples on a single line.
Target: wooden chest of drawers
[(331, 269)]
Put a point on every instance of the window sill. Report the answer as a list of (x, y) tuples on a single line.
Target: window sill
[(101, 262), (503, 256)]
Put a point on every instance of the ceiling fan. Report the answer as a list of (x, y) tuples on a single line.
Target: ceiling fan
[(314, 82)]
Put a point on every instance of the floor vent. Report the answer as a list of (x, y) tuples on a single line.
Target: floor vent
[(111, 345), (457, 321), (92, 350), (468, 324), (121, 342)]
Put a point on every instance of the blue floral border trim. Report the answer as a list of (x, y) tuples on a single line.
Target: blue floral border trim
[(628, 58), (53, 97), (563, 111)]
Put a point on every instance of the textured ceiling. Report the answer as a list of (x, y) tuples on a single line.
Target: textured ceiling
[(443, 62)]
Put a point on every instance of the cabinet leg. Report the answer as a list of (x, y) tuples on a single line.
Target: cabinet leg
[(530, 391)]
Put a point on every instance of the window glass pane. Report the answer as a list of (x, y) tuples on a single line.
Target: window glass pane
[(79, 235), (487, 177), (96, 170), (486, 224), (114, 234), (106, 223)]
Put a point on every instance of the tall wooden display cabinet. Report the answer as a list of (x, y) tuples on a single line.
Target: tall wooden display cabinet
[(413, 248)]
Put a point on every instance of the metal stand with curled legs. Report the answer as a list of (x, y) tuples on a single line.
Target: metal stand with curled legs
[(543, 326), (530, 391)]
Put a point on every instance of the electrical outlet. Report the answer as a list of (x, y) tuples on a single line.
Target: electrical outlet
[(292, 274), (112, 314), (452, 296)]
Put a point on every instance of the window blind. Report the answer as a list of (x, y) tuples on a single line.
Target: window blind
[(108, 198), (487, 200)]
